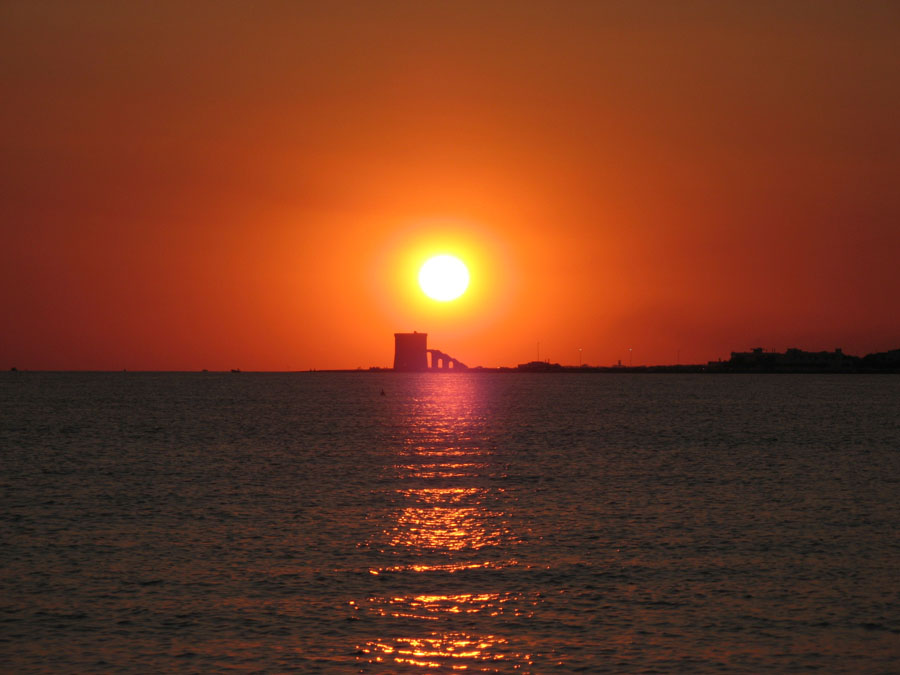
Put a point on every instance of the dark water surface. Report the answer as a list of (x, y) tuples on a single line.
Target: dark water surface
[(462, 522)]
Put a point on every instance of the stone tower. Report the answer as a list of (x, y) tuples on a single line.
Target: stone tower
[(410, 352)]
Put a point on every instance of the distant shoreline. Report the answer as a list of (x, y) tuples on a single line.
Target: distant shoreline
[(593, 370), (759, 361)]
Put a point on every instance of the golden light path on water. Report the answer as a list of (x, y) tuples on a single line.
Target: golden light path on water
[(451, 519)]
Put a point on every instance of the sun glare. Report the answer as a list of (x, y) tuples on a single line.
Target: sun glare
[(443, 278)]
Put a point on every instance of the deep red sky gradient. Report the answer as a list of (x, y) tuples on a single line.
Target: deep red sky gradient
[(216, 185)]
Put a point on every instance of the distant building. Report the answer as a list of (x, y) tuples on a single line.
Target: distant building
[(411, 355), (793, 360), (410, 352), (539, 367), (883, 360), (442, 361)]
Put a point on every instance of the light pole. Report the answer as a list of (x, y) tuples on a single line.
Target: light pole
[(630, 358), (579, 357)]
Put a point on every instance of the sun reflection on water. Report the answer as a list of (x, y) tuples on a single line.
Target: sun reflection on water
[(441, 470), (450, 521), (430, 607), (446, 519), (456, 651)]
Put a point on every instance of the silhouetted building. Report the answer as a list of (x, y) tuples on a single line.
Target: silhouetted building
[(411, 355), (889, 361), (410, 352), (442, 361), (539, 367), (793, 360)]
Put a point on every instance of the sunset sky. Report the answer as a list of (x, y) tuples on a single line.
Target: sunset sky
[(219, 185)]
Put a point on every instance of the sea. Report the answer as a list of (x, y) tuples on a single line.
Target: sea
[(449, 522)]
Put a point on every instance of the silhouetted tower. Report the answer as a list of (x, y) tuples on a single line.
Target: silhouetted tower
[(410, 352)]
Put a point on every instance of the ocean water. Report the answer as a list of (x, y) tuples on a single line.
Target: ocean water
[(486, 523)]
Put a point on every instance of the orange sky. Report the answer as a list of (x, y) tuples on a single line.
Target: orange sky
[(218, 185)]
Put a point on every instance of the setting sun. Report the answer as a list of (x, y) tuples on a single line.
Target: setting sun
[(444, 278)]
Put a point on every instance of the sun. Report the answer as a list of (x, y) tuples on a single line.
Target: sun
[(444, 278)]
